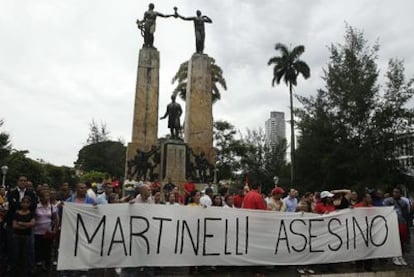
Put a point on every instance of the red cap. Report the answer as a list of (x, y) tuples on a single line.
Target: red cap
[(278, 190)]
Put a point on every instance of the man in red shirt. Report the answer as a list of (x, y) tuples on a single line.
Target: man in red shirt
[(238, 199), (189, 187), (365, 202), (253, 199)]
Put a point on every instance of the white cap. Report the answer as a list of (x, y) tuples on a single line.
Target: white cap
[(325, 194)]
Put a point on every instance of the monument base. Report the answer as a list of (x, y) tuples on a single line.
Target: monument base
[(173, 161)]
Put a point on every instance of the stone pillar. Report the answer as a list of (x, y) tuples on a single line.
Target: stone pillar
[(173, 161), (145, 123), (198, 128)]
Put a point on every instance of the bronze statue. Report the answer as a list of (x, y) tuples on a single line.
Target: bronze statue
[(173, 112), (147, 25), (142, 164), (199, 21)]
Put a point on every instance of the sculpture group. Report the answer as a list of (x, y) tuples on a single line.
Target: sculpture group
[(148, 23), (187, 153)]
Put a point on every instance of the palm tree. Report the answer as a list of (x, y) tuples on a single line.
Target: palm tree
[(288, 66), (216, 78)]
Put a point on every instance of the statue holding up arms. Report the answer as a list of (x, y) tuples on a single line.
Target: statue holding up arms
[(147, 25), (199, 21)]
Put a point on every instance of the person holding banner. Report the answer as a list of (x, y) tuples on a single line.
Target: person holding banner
[(80, 195), (275, 202), (229, 201), (171, 200), (253, 199), (144, 196), (188, 187), (325, 205), (103, 198), (291, 201), (401, 208), (195, 199), (366, 201)]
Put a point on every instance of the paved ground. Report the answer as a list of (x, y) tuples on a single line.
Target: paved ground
[(379, 265)]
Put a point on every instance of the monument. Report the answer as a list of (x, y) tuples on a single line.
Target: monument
[(142, 156), (198, 131), (150, 158)]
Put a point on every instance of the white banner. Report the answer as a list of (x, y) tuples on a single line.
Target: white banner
[(131, 235)]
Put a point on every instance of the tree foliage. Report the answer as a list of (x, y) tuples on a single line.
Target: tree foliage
[(241, 156), (348, 129), (106, 156), (217, 80), (5, 145), (37, 172), (97, 133), (262, 162), (229, 150), (93, 176)]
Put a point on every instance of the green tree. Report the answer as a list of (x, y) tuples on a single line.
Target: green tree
[(216, 79), (19, 164), (262, 162), (392, 117), (57, 175), (346, 130), (97, 133), (92, 176), (288, 67), (37, 171), (106, 156), (229, 150), (5, 145)]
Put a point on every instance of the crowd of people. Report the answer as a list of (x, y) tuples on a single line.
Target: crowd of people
[(30, 217)]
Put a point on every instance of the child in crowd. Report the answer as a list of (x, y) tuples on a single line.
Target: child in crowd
[(23, 222)]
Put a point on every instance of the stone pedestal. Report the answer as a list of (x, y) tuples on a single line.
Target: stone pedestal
[(173, 161), (145, 123), (198, 129)]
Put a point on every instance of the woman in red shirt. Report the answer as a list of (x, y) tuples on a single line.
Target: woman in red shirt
[(325, 205)]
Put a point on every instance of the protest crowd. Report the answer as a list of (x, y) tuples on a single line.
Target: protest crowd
[(30, 216)]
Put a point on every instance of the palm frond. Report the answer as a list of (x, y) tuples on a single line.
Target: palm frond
[(216, 78), (282, 48), (297, 51), (275, 60), (302, 68), (181, 73)]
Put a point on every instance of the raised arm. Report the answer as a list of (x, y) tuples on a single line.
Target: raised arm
[(207, 19), (186, 18), (164, 15)]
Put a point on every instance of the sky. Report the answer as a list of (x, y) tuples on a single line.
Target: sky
[(66, 63)]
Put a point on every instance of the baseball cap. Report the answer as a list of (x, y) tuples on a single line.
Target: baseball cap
[(278, 190), (325, 194)]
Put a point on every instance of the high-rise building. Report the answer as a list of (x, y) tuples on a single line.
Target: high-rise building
[(275, 129)]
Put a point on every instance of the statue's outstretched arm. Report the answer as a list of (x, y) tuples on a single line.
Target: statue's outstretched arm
[(186, 18), (164, 15)]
